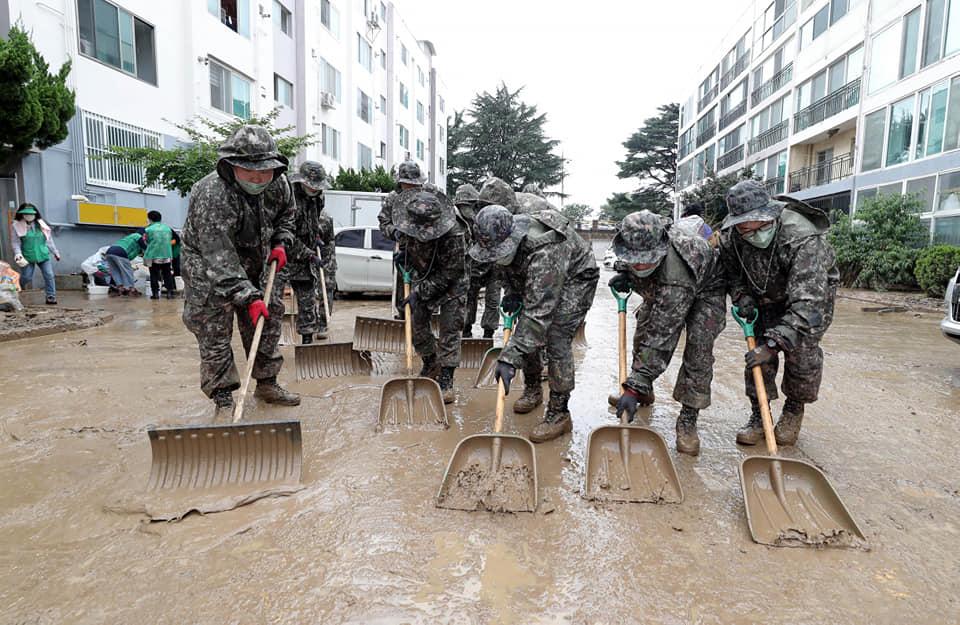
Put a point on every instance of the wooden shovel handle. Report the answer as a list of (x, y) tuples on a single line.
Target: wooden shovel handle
[(501, 394), (323, 289), (254, 346), (408, 326), (764, 403)]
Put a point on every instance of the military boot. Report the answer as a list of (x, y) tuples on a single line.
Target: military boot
[(788, 427), (467, 333), (688, 442), (556, 422), (306, 339), (321, 334), (223, 403), (269, 391), (752, 432), (430, 368), (445, 380), (531, 398), (487, 333)]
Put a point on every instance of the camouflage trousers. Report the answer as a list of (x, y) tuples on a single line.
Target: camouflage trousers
[(802, 365), (213, 327), (491, 299), (446, 347), (704, 318)]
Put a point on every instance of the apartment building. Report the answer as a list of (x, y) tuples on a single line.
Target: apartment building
[(833, 102), (350, 72)]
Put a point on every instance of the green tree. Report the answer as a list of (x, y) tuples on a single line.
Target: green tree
[(502, 136), (35, 105), (652, 151), (619, 205), (180, 167), (712, 193), (576, 212), (372, 180)]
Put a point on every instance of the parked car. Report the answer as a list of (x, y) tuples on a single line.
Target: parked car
[(364, 260), (950, 326), (609, 258)]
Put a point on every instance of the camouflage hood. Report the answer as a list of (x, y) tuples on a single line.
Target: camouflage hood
[(423, 215), (465, 199), (748, 200), (530, 203), (311, 174), (409, 173), (642, 238), (250, 147), (498, 233), (496, 191)]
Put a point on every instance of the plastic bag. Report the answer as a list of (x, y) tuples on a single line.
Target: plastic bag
[(9, 287), (95, 262)]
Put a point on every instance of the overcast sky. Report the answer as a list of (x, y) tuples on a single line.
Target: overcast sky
[(597, 69)]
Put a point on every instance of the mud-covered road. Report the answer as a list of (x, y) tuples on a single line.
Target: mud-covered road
[(363, 542)]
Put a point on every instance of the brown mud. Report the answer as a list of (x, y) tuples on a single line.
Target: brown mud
[(478, 488), (364, 543), (35, 321)]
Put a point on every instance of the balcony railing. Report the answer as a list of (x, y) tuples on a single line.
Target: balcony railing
[(840, 100), (774, 185), (731, 74), (731, 158), (706, 135), (733, 115), (770, 137), (822, 173), (707, 98), (778, 81), (685, 148)]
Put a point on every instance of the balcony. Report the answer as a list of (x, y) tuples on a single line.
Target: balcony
[(774, 185), (685, 148), (767, 89), (822, 173), (731, 158), (707, 98), (731, 74), (840, 100), (733, 115), (770, 137), (706, 135)]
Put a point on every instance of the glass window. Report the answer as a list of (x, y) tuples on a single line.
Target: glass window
[(330, 80), (838, 8), (952, 129), (404, 96), (837, 76), (282, 91), (923, 117), (873, 140), (364, 106), (884, 65), (933, 32), (855, 64), (146, 53), (911, 42), (364, 157), (865, 194), (350, 238), (949, 200), (281, 18), (901, 130), (924, 189), (380, 242), (947, 230), (383, 104), (938, 119), (404, 137), (330, 18), (241, 96), (952, 43), (128, 58), (383, 149), (330, 141), (364, 53), (404, 55), (383, 59), (117, 38), (419, 149), (420, 116), (895, 188), (234, 14), (229, 92)]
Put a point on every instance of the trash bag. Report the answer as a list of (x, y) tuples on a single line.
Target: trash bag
[(9, 289)]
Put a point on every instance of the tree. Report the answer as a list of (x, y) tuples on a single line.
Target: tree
[(35, 105), (377, 180), (501, 136), (652, 151), (712, 193), (179, 167), (576, 212), (619, 205)]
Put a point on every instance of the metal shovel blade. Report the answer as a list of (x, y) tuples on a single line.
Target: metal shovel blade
[(630, 463), (809, 512), (411, 402), (476, 480), (488, 367), (372, 334), (473, 351), (328, 360), (580, 338), (288, 329)]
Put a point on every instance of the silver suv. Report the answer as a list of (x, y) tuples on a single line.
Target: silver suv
[(950, 326)]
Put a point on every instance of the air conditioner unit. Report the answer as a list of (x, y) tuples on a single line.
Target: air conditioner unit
[(328, 100)]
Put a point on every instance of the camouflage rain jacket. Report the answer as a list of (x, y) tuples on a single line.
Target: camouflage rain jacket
[(313, 226), (439, 267)]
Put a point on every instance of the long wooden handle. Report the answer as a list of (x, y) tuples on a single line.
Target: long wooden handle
[(622, 330), (408, 327), (501, 393), (764, 403), (254, 346), (323, 288)]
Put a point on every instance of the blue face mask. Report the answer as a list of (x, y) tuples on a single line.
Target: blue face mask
[(762, 237), (253, 188)]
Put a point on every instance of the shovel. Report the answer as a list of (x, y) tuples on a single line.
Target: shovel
[(288, 329), (473, 352), (373, 334), (629, 463), (789, 503), (327, 360), (494, 472), (411, 400), (323, 289), (238, 458), (580, 337)]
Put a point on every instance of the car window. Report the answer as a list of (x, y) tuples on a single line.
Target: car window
[(350, 238), (381, 242)]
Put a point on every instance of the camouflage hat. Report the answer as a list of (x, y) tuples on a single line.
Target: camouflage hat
[(466, 194), (311, 174), (409, 173), (252, 147), (424, 216), (530, 203), (496, 191), (533, 189), (498, 233), (642, 238), (748, 200)]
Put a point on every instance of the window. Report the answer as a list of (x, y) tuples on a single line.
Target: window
[(350, 238), (117, 38), (933, 119), (380, 242), (949, 199), (441, 105), (364, 53), (330, 142), (330, 80), (924, 189), (234, 14), (404, 96), (404, 55), (885, 63), (282, 91), (900, 131), (99, 135), (732, 100), (733, 140), (383, 104), (364, 157), (952, 132), (420, 77), (420, 112), (404, 138), (838, 8), (778, 17), (942, 30), (364, 106), (419, 149), (282, 20), (770, 117), (330, 18), (873, 128), (383, 59), (910, 44), (440, 132), (815, 26), (443, 167), (383, 12), (229, 91), (383, 150)]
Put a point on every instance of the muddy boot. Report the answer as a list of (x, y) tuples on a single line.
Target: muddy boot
[(155, 295), (306, 339), (488, 334), (531, 398), (321, 334), (223, 404), (788, 427), (612, 399), (556, 422), (269, 391), (688, 442), (752, 432), (430, 369), (467, 333), (445, 380), (171, 295)]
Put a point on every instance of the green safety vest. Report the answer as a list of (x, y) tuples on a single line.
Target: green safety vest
[(34, 245), (158, 241), (130, 245)]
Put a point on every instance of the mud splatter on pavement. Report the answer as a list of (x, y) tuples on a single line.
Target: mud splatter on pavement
[(510, 489), (40, 321)]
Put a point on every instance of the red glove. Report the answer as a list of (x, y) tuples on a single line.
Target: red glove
[(278, 254), (258, 309)]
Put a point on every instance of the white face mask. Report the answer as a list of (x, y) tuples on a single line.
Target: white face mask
[(29, 218), (311, 192), (762, 237), (506, 260)]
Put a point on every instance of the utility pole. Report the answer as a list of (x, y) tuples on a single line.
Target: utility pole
[(563, 175)]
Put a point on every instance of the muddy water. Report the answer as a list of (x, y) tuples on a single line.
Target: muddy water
[(363, 542)]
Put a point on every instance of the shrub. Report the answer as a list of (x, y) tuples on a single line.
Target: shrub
[(935, 266), (377, 179)]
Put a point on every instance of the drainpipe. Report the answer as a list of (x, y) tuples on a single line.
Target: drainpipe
[(300, 88), (858, 136)]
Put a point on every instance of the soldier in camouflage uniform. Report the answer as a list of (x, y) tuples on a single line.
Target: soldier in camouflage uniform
[(408, 178), (780, 265), (302, 270), (533, 189), (434, 249), (496, 191), (682, 285), (466, 200), (550, 275), (240, 219)]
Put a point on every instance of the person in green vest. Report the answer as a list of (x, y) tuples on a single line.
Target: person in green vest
[(118, 257), (33, 247), (159, 255)]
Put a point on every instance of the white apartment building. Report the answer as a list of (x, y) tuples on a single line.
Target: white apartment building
[(833, 102), (349, 71)]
